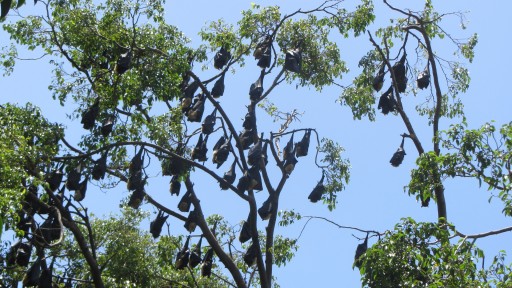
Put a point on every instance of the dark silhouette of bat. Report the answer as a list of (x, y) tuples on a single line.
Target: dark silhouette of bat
[(195, 255), (360, 250), (100, 167), (400, 74), (229, 176), (378, 80), (387, 102), (423, 79), (90, 115), (293, 60), (398, 156), (182, 256), (256, 89), (221, 58), (124, 62), (318, 191), (155, 227), (206, 267), (209, 123)]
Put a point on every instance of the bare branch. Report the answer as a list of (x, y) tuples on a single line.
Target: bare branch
[(337, 225), (485, 234)]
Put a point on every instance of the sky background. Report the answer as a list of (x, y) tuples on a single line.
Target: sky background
[(374, 198)]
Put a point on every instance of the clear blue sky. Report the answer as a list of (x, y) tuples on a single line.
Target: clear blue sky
[(374, 198)]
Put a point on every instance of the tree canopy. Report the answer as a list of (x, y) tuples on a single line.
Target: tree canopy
[(147, 100)]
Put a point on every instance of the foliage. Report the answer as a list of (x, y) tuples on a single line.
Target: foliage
[(128, 255), (421, 255), (27, 144), (123, 65), (140, 98)]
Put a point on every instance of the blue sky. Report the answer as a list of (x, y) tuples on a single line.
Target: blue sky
[(374, 198)]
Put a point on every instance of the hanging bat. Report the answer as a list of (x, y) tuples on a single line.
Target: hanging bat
[(54, 179), (360, 250), (49, 231), (196, 112), (182, 256), (137, 197), (191, 222), (200, 150), (105, 59), (90, 115), (100, 168), (5, 6), (177, 166), (246, 138), (245, 232), (318, 191), (195, 256), (221, 58), (10, 257), (135, 181), (136, 162), (209, 123), (400, 74), (302, 146), (220, 151), (45, 280), (266, 57), (254, 155), (255, 182), (107, 125), (206, 267), (175, 185), (263, 52), (185, 202), (250, 255), (55, 229), (293, 60), (290, 161), (399, 155), (33, 274), (423, 79), (218, 87), (387, 102), (229, 177), (249, 120), (256, 89), (135, 171), (23, 254), (124, 62), (265, 211), (188, 94), (80, 192), (258, 52), (244, 182), (378, 80), (288, 149), (155, 227), (73, 179)]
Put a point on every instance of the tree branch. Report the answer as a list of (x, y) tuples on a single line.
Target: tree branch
[(482, 235), (208, 235), (158, 148), (224, 116)]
